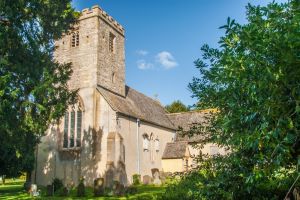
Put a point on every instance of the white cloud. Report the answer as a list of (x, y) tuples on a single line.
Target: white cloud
[(166, 60), (142, 64), (142, 52)]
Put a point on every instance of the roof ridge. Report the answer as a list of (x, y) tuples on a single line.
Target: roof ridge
[(194, 111), (155, 101)]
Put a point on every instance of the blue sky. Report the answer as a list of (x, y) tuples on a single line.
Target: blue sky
[(164, 37)]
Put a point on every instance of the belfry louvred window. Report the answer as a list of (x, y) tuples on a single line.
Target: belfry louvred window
[(73, 127), (111, 42), (75, 39)]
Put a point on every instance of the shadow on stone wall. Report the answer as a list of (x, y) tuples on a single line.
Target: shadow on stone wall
[(70, 165), (91, 154), (113, 173)]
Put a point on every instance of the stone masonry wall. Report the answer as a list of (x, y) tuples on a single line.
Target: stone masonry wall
[(93, 63)]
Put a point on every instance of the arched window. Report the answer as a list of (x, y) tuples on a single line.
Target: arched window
[(156, 145), (79, 128), (146, 141), (73, 127)]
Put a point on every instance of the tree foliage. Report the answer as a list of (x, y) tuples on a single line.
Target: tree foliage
[(33, 87), (176, 106), (253, 79)]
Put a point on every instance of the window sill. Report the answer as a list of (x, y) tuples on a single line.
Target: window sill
[(71, 149)]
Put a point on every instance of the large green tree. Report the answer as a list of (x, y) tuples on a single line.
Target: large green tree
[(253, 79), (33, 87), (176, 106)]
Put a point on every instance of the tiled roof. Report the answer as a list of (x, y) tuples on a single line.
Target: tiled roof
[(175, 150), (136, 104), (186, 120)]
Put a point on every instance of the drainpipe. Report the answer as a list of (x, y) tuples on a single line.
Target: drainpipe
[(36, 162), (137, 145)]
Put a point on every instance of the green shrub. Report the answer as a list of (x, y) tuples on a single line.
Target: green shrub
[(131, 190), (64, 192), (108, 192), (185, 188), (136, 179), (81, 188), (146, 197)]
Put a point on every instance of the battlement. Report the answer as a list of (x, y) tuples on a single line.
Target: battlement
[(97, 11)]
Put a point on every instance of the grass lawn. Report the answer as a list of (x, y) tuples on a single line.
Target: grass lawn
[(14, 190)]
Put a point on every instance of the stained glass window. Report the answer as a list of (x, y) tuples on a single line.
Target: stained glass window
[(72, 129), (79, 122)]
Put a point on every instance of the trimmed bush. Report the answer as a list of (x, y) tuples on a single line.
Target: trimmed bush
[(136, 179), (131, 190)]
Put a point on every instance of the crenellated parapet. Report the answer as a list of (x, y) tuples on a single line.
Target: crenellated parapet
[(97, 11)]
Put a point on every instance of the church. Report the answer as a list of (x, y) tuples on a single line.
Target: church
[(114, 131)]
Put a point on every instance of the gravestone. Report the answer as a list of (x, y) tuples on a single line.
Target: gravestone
[(64, 192), (33, 191), (296, 193), (49, 190), (118, 188), (164, 175), (147, 180), (99, 187), (109, 176), (155, 175)]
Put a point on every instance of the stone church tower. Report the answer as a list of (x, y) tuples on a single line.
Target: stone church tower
[(78, 145), (96, 49), (113, 131)]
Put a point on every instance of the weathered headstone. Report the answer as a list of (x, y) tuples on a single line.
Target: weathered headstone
[(147, 180), (64, 192), (81, 188), (164, 175), (155, 175), (3, 179), (296, 193), (33, 190), (49, 190), (109, 176), (99, 187), (118, 188)]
